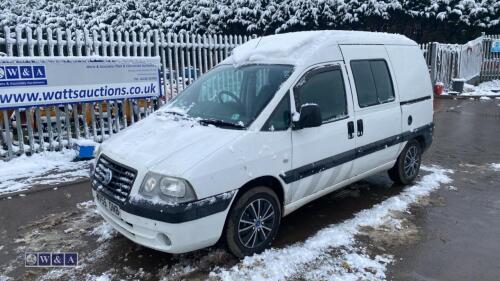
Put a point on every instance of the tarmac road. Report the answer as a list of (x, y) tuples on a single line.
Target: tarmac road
[(454, 234)]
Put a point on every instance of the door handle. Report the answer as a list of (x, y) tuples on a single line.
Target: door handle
[(350, 129), (360, 127)]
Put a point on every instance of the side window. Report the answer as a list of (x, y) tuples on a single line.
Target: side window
[(281, 118), (373, 82), (383, 81), (324, 87)]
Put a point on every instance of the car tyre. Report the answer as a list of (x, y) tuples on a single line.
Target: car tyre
[(253, 222), (408, 164)]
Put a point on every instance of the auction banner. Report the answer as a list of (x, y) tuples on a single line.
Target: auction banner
[(35, 81)]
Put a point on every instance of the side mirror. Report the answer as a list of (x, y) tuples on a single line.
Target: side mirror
[(310, 116)]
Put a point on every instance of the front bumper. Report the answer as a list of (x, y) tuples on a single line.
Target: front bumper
[(153, 227)]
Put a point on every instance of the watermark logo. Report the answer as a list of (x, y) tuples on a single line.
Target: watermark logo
[(39, 72), (12, 72), (44, 259), (26, 72), (31, 259), (23, 75), (57, 259), (49, 259), (70, 259)]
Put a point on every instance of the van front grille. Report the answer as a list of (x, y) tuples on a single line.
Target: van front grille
[(113, 179)]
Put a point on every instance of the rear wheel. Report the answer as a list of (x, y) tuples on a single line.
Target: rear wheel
[(253, 222), (408, 164)]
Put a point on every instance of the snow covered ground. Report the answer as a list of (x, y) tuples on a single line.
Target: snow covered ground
[(50, 167), (485, 89), (333, 253), (313, 259)]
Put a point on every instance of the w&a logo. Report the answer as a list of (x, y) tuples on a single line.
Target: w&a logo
[(22, 72), (45, 259)]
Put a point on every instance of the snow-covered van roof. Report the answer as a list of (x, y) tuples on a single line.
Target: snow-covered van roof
[(298, 47)]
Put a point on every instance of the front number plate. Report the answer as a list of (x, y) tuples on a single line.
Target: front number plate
[(112, 207)]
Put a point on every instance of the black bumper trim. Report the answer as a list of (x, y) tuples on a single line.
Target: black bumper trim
[(179, 213)]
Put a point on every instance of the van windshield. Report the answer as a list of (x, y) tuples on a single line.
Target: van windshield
[(230, 96)]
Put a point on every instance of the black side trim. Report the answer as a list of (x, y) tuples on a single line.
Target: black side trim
[(318, 166), (175, 213), (339, 159), (415, 100)]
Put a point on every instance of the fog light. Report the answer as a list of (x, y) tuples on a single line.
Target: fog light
[(164, 238)]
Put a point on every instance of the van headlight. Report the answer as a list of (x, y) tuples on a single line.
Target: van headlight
[(169, 189)]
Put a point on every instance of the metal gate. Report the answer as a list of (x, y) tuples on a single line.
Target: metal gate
[(33, 129), (490, 69), (184, 57)]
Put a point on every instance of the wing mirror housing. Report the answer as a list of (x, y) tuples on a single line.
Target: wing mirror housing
[(310, 116)]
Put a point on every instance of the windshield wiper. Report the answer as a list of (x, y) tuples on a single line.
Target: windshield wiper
[(176, 113), (222, 123)]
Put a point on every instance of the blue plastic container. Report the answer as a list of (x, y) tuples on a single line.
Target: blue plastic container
[(85, 151)]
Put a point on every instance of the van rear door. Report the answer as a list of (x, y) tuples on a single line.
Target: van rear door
[(376, 106)]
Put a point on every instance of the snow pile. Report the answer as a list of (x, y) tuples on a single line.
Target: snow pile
[(275, 46), (298, 46), (350, 266), (49, 167), (490, 88), (103, 277), (495, 166), (485, 89), (313, 257), (105, 231), (86, 142)]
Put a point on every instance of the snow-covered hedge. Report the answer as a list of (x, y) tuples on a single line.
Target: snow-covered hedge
[(255, 16)]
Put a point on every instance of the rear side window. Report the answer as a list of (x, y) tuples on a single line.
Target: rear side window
[(324, 87), (373, 82)]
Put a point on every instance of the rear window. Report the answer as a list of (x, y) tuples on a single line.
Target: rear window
[(373, 82)]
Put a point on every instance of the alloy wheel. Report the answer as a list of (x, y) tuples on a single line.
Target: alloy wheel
[(256, 223), (411, 162)]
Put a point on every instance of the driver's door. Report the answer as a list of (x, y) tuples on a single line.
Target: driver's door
[(322, 156)]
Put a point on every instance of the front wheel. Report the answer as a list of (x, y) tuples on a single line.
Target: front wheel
[(408, 164), (253, 222)]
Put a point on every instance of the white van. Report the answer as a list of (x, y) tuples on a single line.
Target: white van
[(284, 120)]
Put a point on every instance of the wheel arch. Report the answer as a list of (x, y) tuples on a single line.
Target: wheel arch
[(425, 137), (421, 140), (268, 181), (263, 181)]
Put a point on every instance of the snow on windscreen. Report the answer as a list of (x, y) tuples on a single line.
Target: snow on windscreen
[(297, 47)]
